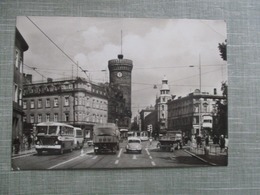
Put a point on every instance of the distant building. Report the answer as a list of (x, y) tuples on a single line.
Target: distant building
[(162, 106), (143, 113), (20, 47), (151, 123), (193, 114), (72, 101)]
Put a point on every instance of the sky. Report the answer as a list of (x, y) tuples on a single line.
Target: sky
[(157, 47)]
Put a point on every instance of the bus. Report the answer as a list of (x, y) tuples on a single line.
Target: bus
[(78, 138), (53, 136)]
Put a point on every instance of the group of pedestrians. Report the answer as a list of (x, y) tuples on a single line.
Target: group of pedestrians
[(26, 141), (222, 141)]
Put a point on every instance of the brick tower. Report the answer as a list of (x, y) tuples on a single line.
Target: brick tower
[(120, 71)]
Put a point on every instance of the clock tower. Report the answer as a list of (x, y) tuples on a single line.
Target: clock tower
[(120, 71)]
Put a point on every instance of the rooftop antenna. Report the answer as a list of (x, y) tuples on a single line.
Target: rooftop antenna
[(120, 56)]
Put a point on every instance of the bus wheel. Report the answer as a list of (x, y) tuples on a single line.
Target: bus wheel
[(61, 151), (39, 152)]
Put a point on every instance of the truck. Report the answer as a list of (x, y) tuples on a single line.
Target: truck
[(106, 138), (171, 140)]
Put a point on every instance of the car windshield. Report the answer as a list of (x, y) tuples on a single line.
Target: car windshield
[(134, 141)]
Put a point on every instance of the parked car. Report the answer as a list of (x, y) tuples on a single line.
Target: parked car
[(134, 144)]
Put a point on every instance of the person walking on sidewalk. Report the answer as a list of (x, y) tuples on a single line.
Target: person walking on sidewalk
[(16, 144), (29, 140), (222, 143)]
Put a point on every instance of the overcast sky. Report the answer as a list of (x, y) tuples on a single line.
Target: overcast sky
[(157, 47)]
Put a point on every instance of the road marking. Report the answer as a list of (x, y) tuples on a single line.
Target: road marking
[(134, 157), (64, 162), (94, 157), (119, 154), (147, 151), (150, 157), (18, 168), (153, 163), (117, 161)]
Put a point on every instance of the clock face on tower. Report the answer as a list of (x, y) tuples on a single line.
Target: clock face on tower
[(119, 74)]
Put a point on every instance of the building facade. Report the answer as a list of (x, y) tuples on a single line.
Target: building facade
[(143, 114), (120, 74), (193, 114), (20, 47), (162, 106), (72, 101)]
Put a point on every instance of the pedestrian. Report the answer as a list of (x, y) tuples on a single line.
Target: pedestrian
[(150, 140), (16, 144), (226, 143), (207, 140), (199, 144), (222, 143), (29, 140)]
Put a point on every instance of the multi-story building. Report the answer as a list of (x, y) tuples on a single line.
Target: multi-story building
[(193, 114), (73, 101), (162, 106), (20, 47), (143, 114)]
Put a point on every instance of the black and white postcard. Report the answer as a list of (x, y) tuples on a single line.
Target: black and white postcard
[(110, 93)]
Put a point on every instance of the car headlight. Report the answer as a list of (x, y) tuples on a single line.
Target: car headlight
[(35, 138), (59, 138), (56, 142), (38, 142)]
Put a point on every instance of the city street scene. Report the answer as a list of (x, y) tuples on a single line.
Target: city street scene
[(109, 93)]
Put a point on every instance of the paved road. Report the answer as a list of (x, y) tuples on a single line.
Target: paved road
[(86, 159)]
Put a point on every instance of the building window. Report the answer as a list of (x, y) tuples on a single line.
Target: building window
[(39, 103), (80, 100), (47, 117), (24, 104), (32, 119), (66, 117), (24, 119), (55, 117), (39, 118), (67, 103), (162, 107), (17, 58), (48, 103), (55, 103), (32, 104), (87, 104), (15, 93), (20, 97), (21, 64), (76, 101)]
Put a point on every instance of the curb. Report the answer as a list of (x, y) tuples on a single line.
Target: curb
[(23, 154), (192, 154)]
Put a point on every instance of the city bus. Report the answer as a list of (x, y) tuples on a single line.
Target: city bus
[(53, 136)]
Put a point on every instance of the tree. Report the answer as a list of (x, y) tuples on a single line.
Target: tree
[(223, 50)]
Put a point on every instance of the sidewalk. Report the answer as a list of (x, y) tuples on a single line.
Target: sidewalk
[(24, 152), (213, 156)]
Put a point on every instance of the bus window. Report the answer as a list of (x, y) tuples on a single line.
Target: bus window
[(52, 130), (42, 129)]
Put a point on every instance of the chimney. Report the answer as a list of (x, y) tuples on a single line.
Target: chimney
[(28, 78), (49, 80), (215, 91)]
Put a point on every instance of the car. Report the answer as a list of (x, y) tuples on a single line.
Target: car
[(90, 143), (134, 144)]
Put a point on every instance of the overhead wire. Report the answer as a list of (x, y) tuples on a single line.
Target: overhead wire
[(84, 71)]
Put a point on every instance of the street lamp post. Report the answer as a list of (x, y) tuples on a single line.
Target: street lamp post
[(200, 94)]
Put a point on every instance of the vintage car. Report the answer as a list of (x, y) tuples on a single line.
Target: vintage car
[(134, 145)]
